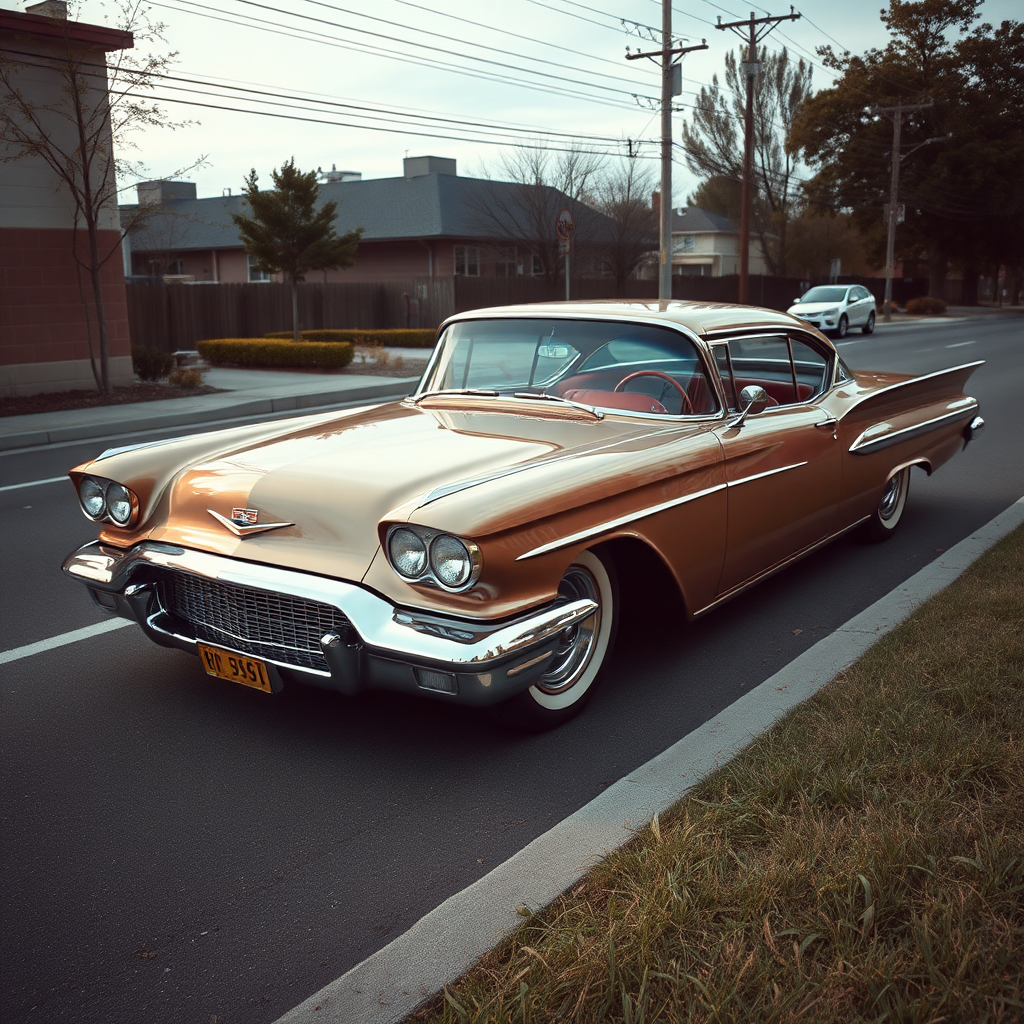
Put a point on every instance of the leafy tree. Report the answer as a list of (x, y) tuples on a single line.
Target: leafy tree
[(82, 136), (713, 142), (289, 233), (960, 158)]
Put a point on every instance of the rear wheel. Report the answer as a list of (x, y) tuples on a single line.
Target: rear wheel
[(869, 324), (581, 652), (882, 524)]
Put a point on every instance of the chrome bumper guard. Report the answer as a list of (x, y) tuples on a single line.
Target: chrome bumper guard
[(468, 661)]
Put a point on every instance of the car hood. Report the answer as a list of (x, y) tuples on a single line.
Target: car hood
[(813, 307), (334, 479)]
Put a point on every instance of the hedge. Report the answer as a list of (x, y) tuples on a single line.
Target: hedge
[(926, 304), (399, 337), (263, 352)]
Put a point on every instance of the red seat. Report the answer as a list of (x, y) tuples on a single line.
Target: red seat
[(628, 401)]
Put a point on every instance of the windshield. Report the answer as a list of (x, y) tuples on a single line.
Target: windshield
[(628, 367), (824, 293)]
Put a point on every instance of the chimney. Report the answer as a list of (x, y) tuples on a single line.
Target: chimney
[(56, 9), (417, 166), (656, 203)]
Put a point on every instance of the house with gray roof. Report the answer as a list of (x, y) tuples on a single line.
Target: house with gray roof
[(708, 244), (428, 223)]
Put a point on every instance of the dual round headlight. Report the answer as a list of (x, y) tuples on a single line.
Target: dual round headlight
[(105, 499), (440, 558)]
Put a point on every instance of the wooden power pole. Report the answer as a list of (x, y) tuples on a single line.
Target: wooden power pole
[(752, 34), (665, 55)]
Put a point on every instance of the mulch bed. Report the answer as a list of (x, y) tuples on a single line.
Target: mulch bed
[(57, 401)]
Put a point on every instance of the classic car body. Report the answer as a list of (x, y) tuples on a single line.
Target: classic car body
[(464, 543)]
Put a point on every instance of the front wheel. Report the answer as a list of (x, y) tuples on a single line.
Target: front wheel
[(844, 326), (869, 324), (886, 517), (582, 651)]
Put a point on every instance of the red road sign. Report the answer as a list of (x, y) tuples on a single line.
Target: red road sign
[(564, 225)]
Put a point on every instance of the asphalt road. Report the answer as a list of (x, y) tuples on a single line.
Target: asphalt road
[(176, 849)]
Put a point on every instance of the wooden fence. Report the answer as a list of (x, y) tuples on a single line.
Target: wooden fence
[(175, 316)]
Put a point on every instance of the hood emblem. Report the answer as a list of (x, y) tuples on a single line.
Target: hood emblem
[(243, 522)]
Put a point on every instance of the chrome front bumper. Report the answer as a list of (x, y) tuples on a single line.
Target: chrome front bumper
[(467, 661)]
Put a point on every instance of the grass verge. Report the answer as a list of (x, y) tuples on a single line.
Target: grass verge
[(861, 861)]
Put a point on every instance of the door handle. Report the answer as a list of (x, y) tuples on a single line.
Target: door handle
[(829, 424)]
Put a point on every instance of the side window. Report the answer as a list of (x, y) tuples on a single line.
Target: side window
[(790, 370), (812, 368)]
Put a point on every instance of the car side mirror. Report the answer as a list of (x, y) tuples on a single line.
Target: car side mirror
[(753, 399)]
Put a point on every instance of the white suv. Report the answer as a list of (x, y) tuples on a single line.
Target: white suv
[(837, 308)]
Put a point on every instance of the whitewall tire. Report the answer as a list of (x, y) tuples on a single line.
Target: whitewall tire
[(583, 650), (889, 511)]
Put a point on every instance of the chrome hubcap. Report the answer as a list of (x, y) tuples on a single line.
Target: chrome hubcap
[(576, 643), (891, 497)]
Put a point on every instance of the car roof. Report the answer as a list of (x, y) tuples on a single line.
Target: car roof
[(702, 318)]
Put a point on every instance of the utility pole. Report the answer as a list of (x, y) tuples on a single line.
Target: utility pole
[(666, 53), (751, 69), (892, 210)]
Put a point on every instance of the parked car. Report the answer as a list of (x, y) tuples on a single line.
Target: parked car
[(468, 543), (837, 308)]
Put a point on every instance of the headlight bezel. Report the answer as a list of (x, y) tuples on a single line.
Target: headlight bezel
[(106, 515), (429, 575)]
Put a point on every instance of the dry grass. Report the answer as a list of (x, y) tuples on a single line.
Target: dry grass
[(863, 861)]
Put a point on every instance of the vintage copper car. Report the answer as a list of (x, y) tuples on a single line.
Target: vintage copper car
[(466, 543)]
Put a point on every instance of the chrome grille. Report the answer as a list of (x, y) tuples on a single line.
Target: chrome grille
[(275, 627)]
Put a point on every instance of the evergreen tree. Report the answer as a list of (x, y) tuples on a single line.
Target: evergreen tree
[(289, 233)]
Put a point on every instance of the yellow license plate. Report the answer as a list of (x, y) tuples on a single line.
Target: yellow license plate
[(235, 667)]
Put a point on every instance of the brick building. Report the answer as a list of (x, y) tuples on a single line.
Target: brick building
[(44, 335)]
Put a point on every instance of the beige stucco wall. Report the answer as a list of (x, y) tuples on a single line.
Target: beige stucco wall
[(32, 195)]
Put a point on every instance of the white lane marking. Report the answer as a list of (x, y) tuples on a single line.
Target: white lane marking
[(34, 483), (960, 344), (64, 638)]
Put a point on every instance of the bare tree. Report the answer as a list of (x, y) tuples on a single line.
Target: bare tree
[(82, 136), (520, 203), (713, 142), (622, 192)]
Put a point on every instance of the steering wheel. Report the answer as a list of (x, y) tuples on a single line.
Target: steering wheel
[(621, 386)]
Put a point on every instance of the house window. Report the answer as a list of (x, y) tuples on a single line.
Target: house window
[(684, 243), (467, 261), (536, 266), (254, 274), (506, 263)]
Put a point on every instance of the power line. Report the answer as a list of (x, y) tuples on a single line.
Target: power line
[(450, 39), (263, 25), (508, 32), (401, 127)]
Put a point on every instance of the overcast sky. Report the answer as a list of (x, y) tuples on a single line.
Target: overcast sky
[(500, 67)]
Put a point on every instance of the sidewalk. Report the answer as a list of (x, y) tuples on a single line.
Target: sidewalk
[(245, 393)]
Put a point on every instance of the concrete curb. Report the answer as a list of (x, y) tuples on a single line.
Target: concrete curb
[(244, 407), (442, 945)]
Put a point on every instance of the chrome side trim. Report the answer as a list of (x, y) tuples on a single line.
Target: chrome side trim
[(867, 443), (611, 524), (377, 621), (245, 531), (767, 472)]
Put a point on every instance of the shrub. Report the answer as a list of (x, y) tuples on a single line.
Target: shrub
[(186, 377), (402, 337), (263, 352), (926, 304), (151, 363)]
